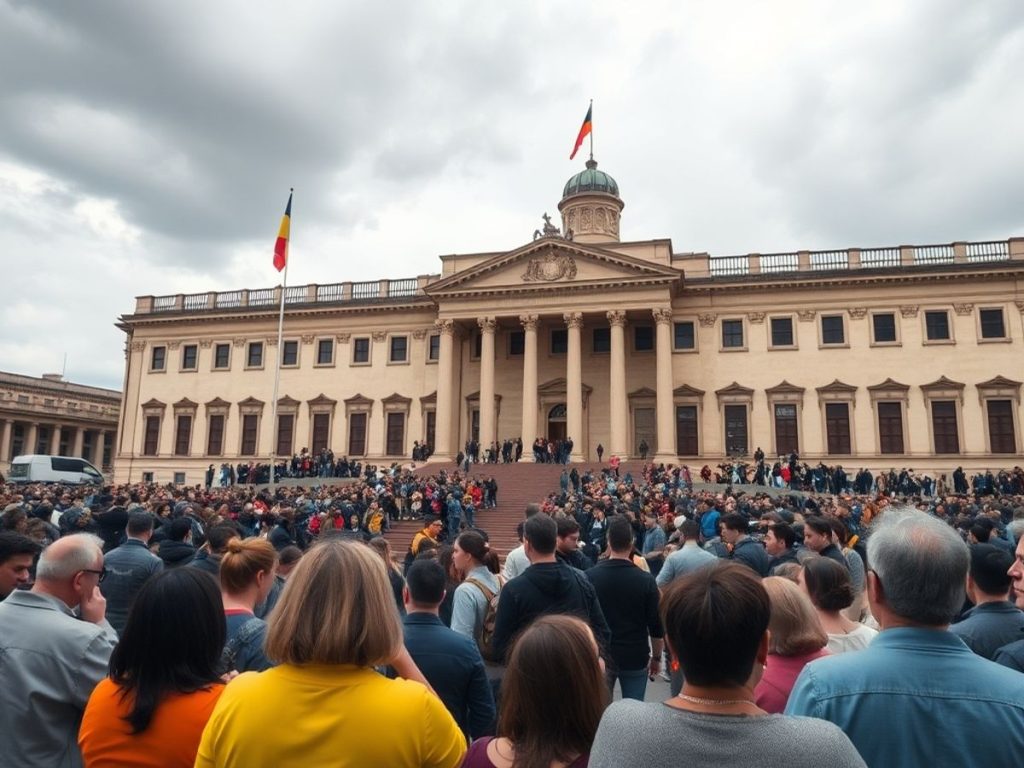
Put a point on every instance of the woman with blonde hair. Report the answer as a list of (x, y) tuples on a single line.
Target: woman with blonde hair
[(795, 638), (324, 704), (246, 578)]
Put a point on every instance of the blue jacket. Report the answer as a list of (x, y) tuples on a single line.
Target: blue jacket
[(918, 697), (452, 664), (128, 566)]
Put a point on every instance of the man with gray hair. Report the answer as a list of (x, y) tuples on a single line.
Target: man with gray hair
[(917, 695), (51, 658)]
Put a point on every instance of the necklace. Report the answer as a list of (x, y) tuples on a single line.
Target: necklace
[(711, 702)]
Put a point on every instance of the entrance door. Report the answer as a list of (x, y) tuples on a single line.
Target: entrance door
[(556, 423), (644, 430)]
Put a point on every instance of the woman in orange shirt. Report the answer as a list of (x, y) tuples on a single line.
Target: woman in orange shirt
[(164, 677)]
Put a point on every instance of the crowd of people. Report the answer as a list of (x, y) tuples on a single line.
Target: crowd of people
[(222, 626)]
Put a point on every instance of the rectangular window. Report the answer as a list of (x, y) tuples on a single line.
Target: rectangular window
[(151, 441), (732, 334), (684, 335), (890, 428), (431, 428), (285, 434), (782, 331), (290, 353), (179, 478), (1000, 426), (686, 430), (602, 340), (936, 325), (786, 440), (189, 357), (396, 434), (643, 338), (992, 325), (221, 356), (944, 427), (361, 350), (832, 331), (837, 428), (158, 359), (559, 341), (884, 327), (250, 433), (183, 436), (399, 352), (147, 477), (215, 435), (321, 432), (516, 343), (434, 353), (736, 430), (255, 356), (357, 434), (325, 352)]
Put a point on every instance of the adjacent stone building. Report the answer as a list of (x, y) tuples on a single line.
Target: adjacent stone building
[(905, 356)]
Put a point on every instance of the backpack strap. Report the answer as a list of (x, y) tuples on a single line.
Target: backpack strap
[(488, 594)]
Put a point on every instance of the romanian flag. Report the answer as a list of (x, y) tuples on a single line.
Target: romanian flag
[(584, 130), (281, 246)]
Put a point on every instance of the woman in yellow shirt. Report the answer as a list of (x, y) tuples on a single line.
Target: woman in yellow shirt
[(324, 704)]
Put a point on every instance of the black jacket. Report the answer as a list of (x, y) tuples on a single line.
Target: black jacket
[(751, 552), (546, 588), (789, 556), (175, 553), (629, 600)]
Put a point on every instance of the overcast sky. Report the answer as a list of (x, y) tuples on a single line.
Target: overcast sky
[(148, 147)]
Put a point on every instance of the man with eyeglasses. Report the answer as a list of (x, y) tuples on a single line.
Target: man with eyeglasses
[(55, 645)]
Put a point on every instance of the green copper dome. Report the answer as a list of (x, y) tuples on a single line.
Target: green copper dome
[(591, 180)]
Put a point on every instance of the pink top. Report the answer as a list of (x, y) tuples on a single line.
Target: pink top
[(780, 673), (477, 757)]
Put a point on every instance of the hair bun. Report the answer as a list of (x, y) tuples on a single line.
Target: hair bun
[(235, 546)]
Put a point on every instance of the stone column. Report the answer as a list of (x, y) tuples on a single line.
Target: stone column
[(529, 426), (487, 432), (55, 436), (445, 383), (618, 407), (5, 440), (100, 447), (666, 451), (76, 449), (31, 436), (574, 385)]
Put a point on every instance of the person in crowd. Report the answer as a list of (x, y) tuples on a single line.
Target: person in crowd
[(209, 556), (553, 695), (429, 535), (481, 584), (653, 548), (689, 557), (51, 658), (547, 586), (818, 538), (164, 680), (780, 544), (17, 553), (286, 560), (516, 560), (332, 626), (889, 697), (128, 567), (742, 548), (828, 585), (716, 623), (246, 578), (795, 638), (567, 544), (1012, 654), (993, 621), (176, 546), (629, 601), (383, 548), (451, 662)]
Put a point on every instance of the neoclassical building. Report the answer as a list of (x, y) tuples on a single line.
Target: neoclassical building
[(905, 356)]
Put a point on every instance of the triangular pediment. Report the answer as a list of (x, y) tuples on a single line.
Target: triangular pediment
[(685, 390), (836, 387), (999, 382), (322, 399), (641, 393), (785, 388), (153, 403), (735, 389), (942, 383), (287, 402), (889, 385), (396, 399), (218, 402), (250, 402), (548, 264), (430, 399), (557, 387), (185, 405), (358, 399)]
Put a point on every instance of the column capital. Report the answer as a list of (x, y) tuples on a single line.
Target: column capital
[(446, 327), (662, 315), (573, 319), (529, 322), (616, 317), (487, 324)]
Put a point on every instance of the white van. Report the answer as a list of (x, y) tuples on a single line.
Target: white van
[(53, 469)]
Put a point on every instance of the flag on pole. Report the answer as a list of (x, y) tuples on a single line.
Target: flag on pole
[(584, 130), (281, 246)]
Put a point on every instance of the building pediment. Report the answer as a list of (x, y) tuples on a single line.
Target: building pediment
[(999, 382), (735, 389), (550, 264), (322, 399), (685, 390), (396, 399), (837, 387), (889, 385), (785, 388), (942, 383)]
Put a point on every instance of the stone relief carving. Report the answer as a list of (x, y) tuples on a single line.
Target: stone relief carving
[(445, 326), (806, 315), (573, 319), (139, 346), (707, 319), (755, 317), (487, 324), (1020, 306), (909, 310), (616, 317), (173, 344), (662, 315), (205, 343), (379, 335), (529, 322), (239, 342), (419, 334), (307, 338), (553, 266), (271, 341), (963, 309), (858, 313), (343, 338), (587, 219)]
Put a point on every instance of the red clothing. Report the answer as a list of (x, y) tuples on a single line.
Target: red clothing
[(477, 757), (780, 674)]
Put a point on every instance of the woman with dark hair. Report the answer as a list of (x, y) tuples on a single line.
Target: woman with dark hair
[(716, 625), (446, 557), (478, 566), (552, 698), (831, 591), (164, 677)]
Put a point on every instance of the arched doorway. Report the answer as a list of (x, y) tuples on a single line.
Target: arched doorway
[(556, 423)]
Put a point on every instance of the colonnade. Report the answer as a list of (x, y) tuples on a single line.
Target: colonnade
[(57, 432)]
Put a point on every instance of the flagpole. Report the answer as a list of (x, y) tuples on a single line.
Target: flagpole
[(277, 362), (591, 113)]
